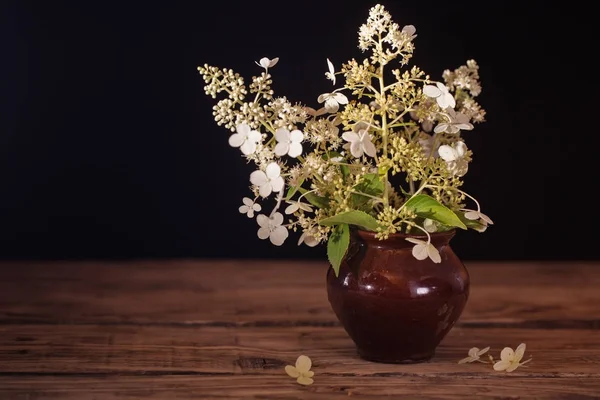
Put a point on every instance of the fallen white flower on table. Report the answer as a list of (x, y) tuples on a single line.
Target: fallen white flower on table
[(441, 95), (249, 207), (271, 228), (360, 141), (266, 63), (474, 355), (269, 181), (301, 371), (289, 143), (454, 157), (245, 138), (511, 360), (331, 74), (424, 249)]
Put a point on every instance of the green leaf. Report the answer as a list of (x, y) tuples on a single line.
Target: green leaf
[(293, 189), (371, 184), (353, 217), (317, 201), (428, 207), (337, 246)]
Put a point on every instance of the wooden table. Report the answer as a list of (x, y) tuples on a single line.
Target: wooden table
[(226, 330)]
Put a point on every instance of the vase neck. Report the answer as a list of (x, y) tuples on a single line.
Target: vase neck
[(398, 240)]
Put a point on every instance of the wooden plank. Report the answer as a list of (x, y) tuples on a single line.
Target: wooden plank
[(201, 350), (326, 387), (221, 293)]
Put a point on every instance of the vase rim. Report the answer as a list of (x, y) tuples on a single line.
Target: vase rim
[(434, 235)]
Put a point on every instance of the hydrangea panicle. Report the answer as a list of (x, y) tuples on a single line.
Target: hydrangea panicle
[(335, 158)]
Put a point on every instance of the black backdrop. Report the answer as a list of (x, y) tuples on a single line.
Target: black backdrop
[(108, 147)]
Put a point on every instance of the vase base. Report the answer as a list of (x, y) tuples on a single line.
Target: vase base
[(392, 359)]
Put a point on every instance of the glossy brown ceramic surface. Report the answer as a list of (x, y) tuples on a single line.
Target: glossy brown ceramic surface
[(396, 308)]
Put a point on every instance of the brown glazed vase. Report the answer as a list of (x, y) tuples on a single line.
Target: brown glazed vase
[(396, 308)]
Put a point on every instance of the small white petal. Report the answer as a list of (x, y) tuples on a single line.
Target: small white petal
[(416, 241), (243, 129), (331, 105), (279, 235), (472, 215), (410, 30), (263, 233), (507, 354), (433, 253), (243, 209), (501, 365), (262, 221), (323, 97), (248, 147), (369, 147), (486, 218), (247, 201), (431, 91), (330, 66), (273, 62), (340, 98), (250, 213), (256, 207), (273, 170), (419, 251), (447, 153), (441, 128), (350, 137), (295, 149), (310, 241), (296, 136), (461, 148), (258, 178), (442, 88), (264, 62), (292, 208), (282, 135), (265, 189), (277, 219), (277, 184), (356, 149), (236, 140), (281, 149), (254, 136), (520, 352)]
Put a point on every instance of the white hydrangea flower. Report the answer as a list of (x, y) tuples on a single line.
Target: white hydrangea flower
[(268, 181), (331, 74), (289, 143), (360, 141), (441, 95), (271, 228), (249, 207), (474, 355), (245, 138), (477, 215), (430, 225), (510, 359), (457, 122), (308, 237), (297, 205), (266, 63), (332, 101), (454, 157), (424, 249), (410, 31)]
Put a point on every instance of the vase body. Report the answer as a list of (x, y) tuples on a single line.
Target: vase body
[(396, 308)]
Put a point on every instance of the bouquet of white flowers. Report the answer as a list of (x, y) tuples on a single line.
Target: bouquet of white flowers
[(382, 153)]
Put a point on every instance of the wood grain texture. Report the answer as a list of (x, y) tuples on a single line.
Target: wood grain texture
[(225, 330)]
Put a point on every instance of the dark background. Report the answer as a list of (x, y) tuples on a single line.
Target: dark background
[(108, 147)]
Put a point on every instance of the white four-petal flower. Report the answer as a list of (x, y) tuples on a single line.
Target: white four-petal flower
[(511, 360), (271, 228), (474, 355), (477, 215), (454, 157), (441, 95), (424, 249), (245, 138), (289, 143), (360, 141), (268, 181), (249, 207), (297, 205), (308, 237), (457, 122), (266, 63), (331, 74), (332, 101)]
